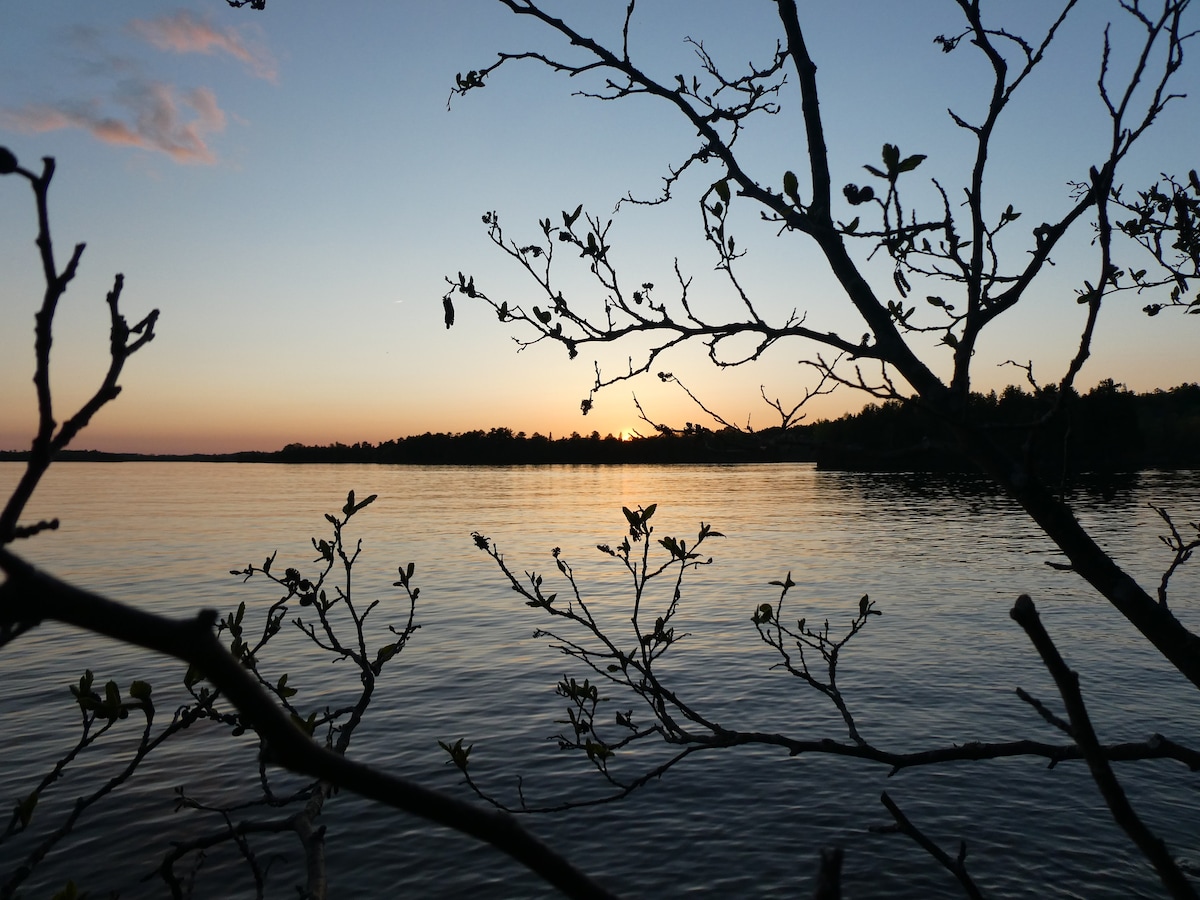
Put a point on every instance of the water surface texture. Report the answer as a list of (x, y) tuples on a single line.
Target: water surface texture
[(943, 558)]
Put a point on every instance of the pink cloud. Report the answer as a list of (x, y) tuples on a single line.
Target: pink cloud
[(158, 119), (184, 33)]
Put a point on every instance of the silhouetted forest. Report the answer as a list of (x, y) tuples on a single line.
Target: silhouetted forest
[(1108, 429)]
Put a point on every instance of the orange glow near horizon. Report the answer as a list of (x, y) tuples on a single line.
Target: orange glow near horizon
[(237, 170)]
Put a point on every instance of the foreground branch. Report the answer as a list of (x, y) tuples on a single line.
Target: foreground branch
[(1067, 681), (29, 597), (124, 341), (622, 667), (955, 865)]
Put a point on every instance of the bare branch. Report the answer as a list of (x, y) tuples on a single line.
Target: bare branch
[(124, 342), (1025, 614), (29, 596), (956, 866), (1180, 546)]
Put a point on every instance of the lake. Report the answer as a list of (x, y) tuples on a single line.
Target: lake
[(943, 558)]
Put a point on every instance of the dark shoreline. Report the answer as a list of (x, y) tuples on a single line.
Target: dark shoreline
[(1109, 430)]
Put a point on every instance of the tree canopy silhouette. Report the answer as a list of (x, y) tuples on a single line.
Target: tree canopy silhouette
[(960, 255), (953, 271)]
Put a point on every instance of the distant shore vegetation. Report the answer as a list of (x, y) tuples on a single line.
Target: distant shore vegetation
[(1108, 429)]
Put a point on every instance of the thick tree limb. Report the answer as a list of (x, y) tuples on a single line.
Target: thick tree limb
[(1152, 847), (30, 596), (1156, 623)]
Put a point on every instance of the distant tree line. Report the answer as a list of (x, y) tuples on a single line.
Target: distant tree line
[(1109, 429), (501, 446)]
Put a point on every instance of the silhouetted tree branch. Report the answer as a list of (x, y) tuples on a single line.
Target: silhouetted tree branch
[(627, 664), (956, 865), (124, 341), (1152, 847), (1180, 546), (29, 597), (956, 249), (963, 255)]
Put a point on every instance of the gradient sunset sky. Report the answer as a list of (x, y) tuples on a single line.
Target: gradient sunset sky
[(289, 188)]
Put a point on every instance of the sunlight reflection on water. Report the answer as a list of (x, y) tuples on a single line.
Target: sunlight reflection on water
[(943, 558)]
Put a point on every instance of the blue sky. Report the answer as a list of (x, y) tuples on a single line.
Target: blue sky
[(289, 188)]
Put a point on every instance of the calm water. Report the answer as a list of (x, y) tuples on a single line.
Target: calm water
[(944, 559)]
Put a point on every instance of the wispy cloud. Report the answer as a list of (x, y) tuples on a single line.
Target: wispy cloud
[(119, 102), (184, 33), (158, 118)]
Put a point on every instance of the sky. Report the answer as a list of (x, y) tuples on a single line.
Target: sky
[(290, 190)]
